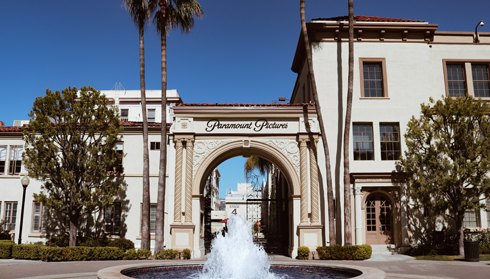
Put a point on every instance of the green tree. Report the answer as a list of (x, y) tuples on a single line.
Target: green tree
[(140, 12), (330, 202), (70, 146), (172, 14), (447, 157), (348, 114)]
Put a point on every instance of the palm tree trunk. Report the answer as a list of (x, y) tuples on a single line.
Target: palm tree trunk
[(145, 224), (331, 217), (163, 141), (347, 205)]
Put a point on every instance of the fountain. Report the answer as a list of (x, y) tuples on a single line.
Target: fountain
[(235, 256)]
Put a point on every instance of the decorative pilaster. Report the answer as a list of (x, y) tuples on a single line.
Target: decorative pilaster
[(188, 180), (315, 210), (358, 203), (178, 183), (304, 182)]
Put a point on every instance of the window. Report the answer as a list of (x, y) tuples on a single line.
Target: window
[(124, 114), (15, 159), (3, 159), (471, 218), (39, 219), (389, 135), (373, 77), (363, 142), (153, 218), (467, 77), (456, 80), (119, 150), (154, 145), (151, 115), (10, 216), (480, 80), (112, 219)]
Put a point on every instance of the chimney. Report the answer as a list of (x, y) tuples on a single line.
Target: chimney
[(2, 124)]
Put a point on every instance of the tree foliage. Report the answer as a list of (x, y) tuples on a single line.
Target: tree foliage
[(447, 157), (70, 146)]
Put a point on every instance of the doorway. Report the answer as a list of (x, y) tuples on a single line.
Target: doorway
[(379, 221)]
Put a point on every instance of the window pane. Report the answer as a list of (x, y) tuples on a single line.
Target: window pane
[(480, 80), (153, 217), (455, 80), (362, 142), (3, 159), (37, 217), (389, 142), (373, 80)]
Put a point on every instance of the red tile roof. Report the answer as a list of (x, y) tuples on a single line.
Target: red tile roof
[(11, 129), (242, 105), (16, 129), (368, 18)]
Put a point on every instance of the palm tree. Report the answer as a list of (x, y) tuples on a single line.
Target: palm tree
[(139, 11), (347, 205), (172, 14), (331, 217)]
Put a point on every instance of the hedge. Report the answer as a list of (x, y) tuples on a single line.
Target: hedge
[(6, 249), (186, 254), (338, 252), (168, 254), (27, 251), (303, 253), (136, 254), (63, 241)]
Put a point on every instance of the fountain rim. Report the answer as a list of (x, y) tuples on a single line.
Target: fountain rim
[(115, 272)]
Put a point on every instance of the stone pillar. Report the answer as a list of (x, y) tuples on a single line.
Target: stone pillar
[(304, 182), (178, 182), (359, 229), (315, 209), (188, 180)]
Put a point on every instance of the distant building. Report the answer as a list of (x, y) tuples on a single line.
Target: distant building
[(241, 202)]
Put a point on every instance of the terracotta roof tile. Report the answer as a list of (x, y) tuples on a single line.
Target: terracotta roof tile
[(10, 129), (15, 129), (368, 18), (241, 105)]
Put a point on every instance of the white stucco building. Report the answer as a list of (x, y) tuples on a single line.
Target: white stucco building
[(398, 65)]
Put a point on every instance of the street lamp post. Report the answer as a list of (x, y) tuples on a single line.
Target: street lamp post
[(25, 183)]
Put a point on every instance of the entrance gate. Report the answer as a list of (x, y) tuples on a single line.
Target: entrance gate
[(206, 135)]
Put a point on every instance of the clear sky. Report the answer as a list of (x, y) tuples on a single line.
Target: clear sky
[(240, 52)]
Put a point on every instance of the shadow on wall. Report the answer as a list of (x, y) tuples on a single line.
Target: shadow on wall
[(428, 234)]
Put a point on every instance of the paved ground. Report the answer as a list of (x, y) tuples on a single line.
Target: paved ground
[(396, 267)]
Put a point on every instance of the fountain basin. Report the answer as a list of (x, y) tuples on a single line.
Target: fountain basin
[(119, 272)]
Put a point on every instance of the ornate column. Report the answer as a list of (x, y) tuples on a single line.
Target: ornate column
[(359, 229), (189, 160), (178, 182), (304, 181), (315, 210)]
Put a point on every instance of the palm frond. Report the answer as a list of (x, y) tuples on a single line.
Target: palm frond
[(178, 13)]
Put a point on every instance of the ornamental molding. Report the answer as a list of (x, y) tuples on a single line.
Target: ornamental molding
[(202, 148), (373, 180), (289, 148)]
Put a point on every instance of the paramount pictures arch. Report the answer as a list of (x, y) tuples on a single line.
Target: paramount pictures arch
[(205, 136)]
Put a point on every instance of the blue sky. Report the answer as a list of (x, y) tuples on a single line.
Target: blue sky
[(240, 52)]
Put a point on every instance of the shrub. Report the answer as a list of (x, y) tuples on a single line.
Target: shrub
[(168, 254), (303, 253), (52, 254), (6, 249), (27, 251), (121, 243), (338, 252), (186, 254), (435, 243), (107, 253), (131, 254)]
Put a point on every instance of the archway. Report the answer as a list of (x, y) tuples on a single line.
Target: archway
[(379, 219), (280, 206), (207, 134)]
